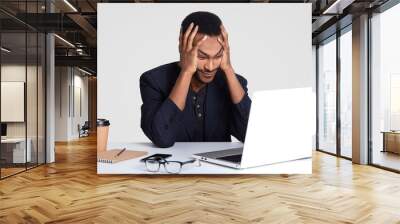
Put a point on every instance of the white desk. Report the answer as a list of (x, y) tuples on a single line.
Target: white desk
[(19, 149), (183, 151)]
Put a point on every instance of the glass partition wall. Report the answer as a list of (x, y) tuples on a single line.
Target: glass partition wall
[(327, 95), (334, 75), (345, 62), (385, 89), (22, 77)]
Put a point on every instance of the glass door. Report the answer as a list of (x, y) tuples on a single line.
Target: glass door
[(327, 96)]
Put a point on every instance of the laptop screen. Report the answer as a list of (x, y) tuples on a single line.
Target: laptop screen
[(3, 129), (232, 158)]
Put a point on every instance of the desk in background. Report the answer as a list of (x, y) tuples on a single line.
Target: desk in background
[(391, 141), (183, 151), (13, 150)]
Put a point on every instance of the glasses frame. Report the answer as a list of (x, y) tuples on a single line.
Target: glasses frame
[(162, 161)]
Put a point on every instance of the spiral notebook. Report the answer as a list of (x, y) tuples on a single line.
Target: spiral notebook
[(111, 156)]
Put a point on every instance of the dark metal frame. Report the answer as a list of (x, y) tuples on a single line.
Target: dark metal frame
[(45, 90), (338, 98), (369, 90), (316, 97), (26, 88)]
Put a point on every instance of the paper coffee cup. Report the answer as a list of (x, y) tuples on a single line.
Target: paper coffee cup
[(102, 134)]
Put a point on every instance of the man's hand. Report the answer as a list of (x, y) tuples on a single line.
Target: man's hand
[(188, 64), (226, 60), (235, 88), (188, 50)]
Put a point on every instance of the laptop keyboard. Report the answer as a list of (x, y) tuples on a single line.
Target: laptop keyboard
[(232, 158)]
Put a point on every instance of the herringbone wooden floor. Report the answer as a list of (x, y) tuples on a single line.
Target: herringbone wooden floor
[(70, 191)]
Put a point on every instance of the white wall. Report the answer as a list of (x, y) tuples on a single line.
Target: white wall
[(80, 83), (68, 81), (61, 103), (270, 46)]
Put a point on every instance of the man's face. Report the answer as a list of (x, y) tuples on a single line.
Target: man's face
[(209, 58)]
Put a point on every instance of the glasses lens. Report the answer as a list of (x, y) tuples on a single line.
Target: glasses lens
[(152, 165), (173, 167)]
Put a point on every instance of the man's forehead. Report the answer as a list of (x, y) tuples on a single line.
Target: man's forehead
[(210, 46)]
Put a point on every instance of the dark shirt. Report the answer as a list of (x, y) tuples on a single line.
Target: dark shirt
[(197, 104), (209, 115)]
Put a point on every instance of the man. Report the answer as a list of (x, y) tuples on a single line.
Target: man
[(199, 98)]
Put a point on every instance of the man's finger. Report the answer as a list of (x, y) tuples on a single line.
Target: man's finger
[(224, 33), (196, 46), (186, 35), (221, 42), (180, 41), (191, 37)]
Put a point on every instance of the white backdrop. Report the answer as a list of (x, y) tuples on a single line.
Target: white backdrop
[(270, 47)]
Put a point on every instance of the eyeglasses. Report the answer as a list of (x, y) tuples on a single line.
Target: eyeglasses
[(153, 165)]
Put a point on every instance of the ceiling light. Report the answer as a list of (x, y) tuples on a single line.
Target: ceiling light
[(64, 40), (84, 71), (5, 50), (70, 5), (338, 6)]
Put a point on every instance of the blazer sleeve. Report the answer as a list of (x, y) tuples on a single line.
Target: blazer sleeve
[(159, 114), (240, 114)]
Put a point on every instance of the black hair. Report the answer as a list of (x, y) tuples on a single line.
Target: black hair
[(208, 23)]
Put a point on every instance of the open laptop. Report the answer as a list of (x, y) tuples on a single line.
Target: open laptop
[(280, 128)]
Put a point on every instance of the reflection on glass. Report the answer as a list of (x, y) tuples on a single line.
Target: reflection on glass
[(327, 97), (22, 91), (13, 84), (386, 89), (346, 94)]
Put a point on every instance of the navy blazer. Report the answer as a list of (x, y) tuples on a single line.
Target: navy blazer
[(164, 123)]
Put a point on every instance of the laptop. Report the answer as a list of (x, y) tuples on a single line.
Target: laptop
[(280, 129)]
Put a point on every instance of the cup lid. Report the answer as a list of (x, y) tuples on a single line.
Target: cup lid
[(103, 122)]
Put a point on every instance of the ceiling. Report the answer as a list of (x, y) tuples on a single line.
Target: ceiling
[(76, 22)]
